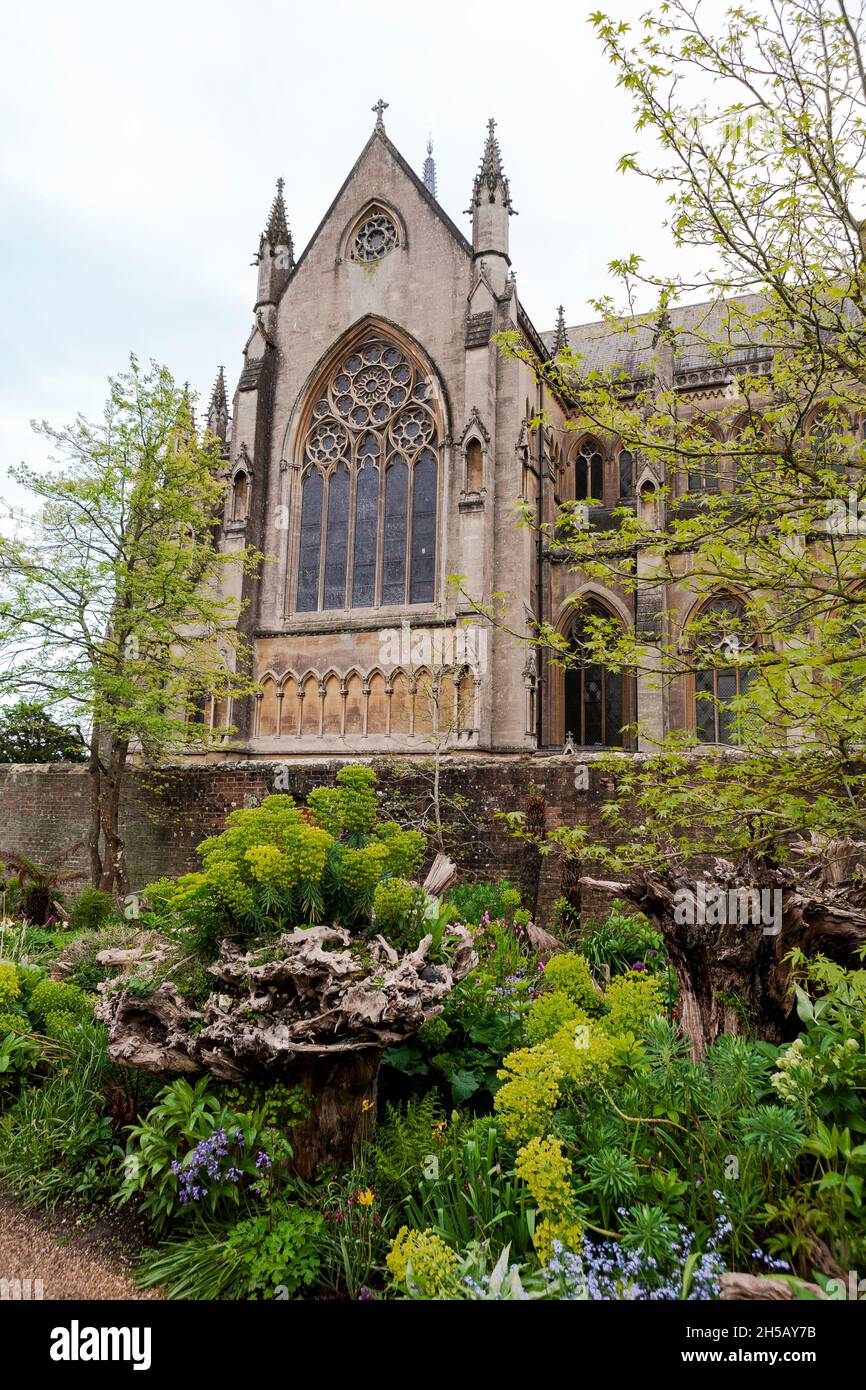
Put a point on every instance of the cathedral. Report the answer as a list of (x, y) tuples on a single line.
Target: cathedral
[(379, 448)]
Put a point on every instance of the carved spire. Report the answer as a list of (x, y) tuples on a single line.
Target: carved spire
[(490, 180), (430, 168), (560, 341), (218, 410), (277, 232)]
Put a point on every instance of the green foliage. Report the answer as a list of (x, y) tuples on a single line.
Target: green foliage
[(483, 1017), (29, 733), (467, 1189), (548, 1013), (392, 902), (13, 1023), (57, 1142), (568, 974), (10, 985), (264, 1256), (472, 901), (421, 1262), (18, 1055), (399, 912), (546, 1171), (57, 997), (619, 940), (272, 868), (401, 1142), (92, 909), (630, 1002), (184, 1117)]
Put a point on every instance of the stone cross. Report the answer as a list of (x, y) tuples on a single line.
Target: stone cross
[(379, 108)]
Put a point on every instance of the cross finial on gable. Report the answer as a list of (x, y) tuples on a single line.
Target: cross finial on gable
[(379, 108)]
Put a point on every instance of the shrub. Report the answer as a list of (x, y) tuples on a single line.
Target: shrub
[(422, 1260), (278, 865), (262, 1255), (398, 912), (621, 939), (547, 1173), (529, 1094), (472, 900), (56, 997), (548, 1013), (632, 1000), (92, 909), (568, 973), (10, 985), (12, 1023)]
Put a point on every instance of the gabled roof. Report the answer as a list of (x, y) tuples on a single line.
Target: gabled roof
[(604, 346), (418, 183)]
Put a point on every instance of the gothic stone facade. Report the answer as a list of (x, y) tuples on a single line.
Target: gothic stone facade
[(379, 444)]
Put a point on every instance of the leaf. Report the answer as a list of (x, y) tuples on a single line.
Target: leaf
[(464, 1084)]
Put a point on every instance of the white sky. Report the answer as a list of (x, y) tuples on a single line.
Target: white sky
[(139, 147)]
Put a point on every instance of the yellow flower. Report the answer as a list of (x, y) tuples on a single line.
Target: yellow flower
[(365, 1106), (367, 1197)]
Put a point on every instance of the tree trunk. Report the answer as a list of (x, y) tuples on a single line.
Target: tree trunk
[(95, 774), (341, 1090), (734, 975), (114, 875)]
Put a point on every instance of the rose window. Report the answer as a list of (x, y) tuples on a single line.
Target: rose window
[(376, 236)]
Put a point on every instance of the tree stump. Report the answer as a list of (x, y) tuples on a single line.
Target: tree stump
[(306, 1009)]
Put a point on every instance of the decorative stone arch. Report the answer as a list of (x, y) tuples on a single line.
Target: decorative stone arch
[(358, 241), (474, 450), (367, 501), (240, 489), (626, 468), (716, 684), (648, 498), (588, 463), (571, 699)]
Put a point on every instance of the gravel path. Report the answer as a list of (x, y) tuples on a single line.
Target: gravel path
[(71, 1259)]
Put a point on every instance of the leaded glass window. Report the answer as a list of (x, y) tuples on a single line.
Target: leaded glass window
[(372, 444), (311, 535), (593, 694), (589, 474), (375, 237), (723, 629)]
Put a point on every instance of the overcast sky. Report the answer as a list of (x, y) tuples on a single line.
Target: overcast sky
[(139, 147)]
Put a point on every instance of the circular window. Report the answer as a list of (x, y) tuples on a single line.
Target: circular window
[(375, 237)]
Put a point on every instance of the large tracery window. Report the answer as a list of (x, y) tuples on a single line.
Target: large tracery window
[(370, 484)]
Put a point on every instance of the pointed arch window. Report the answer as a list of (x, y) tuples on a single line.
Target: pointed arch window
[(369, 483), (721, 629), (594, 708), (589, 473), (626, 473), (240, 495)]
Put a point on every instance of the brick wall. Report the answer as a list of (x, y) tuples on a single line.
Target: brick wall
[(168, 811)]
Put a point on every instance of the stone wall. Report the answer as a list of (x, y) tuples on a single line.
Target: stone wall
[(168, 811)]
